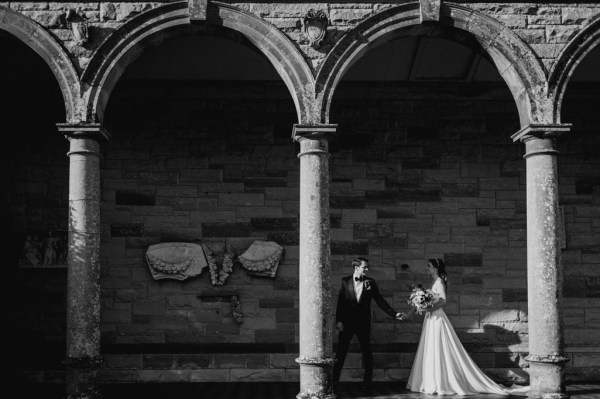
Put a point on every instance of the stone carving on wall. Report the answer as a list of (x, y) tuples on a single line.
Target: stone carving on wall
[(180, 260), (79, 26), (45, 248), (430, 10), (75, 20), (108, 12), (175, 260), (314, 26), (262, 258), (218, 277), (236, 310)]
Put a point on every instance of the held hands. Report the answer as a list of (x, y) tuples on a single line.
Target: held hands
[(406, 316)]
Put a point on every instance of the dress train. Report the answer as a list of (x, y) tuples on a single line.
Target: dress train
[(442, 365)]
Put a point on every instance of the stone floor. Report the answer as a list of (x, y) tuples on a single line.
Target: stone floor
[(258, 390)]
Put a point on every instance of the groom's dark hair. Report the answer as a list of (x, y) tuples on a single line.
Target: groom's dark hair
[(356, 262)]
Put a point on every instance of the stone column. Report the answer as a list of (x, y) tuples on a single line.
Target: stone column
[(83, 277), (316, 318), (544, 267)]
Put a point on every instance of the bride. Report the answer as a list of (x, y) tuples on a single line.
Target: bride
[(442, 365)]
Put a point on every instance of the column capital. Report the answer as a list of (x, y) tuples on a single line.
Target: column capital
[(541, 131), (314, 132), (93, 131)]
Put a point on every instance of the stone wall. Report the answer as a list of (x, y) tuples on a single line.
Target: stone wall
[(417, 171), (547, 28), (431, 175)]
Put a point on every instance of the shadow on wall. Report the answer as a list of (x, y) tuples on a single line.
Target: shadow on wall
[(504, 359)]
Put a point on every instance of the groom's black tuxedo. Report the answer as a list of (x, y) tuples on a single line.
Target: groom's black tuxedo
[(352, 312), (356, 319)]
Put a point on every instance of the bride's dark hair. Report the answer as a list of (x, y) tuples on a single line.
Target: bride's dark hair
[(441, 268)]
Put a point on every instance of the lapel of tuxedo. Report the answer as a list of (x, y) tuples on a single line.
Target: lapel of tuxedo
[(351, 288)]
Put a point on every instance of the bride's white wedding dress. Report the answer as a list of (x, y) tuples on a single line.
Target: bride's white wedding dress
[(442, 365)]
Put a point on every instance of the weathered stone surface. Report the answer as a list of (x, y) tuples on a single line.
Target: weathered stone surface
[(359, 216), (135, 198), (265, 224), (192, 361), (164, 375), (576, 16), (463, 259), (254, 375), (226, 229), (257, 361), (284, 238), (158, 361), (278, 335), (127, 229), (108, 12), (347, 201), (281, 302), (209, 375), (480, 301), (444, 156), (406, 194), (227, 361), (349, 247), (560, 34), (501, 316)]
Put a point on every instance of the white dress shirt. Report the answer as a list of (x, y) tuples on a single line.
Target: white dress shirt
[(358, 288)]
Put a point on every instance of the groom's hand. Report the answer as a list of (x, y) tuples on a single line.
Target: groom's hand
[(339, 326)]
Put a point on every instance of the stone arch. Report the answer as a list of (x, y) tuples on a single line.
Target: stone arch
[(516, 63), (123, 46), (562, 70), (40, 41)]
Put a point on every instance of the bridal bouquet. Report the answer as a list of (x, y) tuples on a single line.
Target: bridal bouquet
[(420, 298)]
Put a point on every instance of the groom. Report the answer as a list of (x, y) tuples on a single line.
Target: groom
[(353, 316)]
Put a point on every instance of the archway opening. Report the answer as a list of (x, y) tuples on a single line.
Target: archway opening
[(33, 208), (201, 153), (425, 165), (579, 178)]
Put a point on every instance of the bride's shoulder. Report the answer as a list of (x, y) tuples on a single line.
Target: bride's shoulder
[(438, 283)]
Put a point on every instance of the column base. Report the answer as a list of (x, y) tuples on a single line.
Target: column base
[(315, 378), (546, 376), (82, 378), (556, 396), (312, 395)]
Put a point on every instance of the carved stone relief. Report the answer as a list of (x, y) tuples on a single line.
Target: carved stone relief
[(175, 260), (262, 258), (45, 248), (314, 27)]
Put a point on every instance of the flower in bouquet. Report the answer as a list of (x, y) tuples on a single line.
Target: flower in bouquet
[(420, 298)]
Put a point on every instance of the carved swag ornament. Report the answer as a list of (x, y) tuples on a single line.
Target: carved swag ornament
[(218, 277)]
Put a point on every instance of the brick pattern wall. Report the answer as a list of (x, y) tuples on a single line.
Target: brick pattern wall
[(547, 28), (579, 167), (432, 174), (416, 172), (198, 164)]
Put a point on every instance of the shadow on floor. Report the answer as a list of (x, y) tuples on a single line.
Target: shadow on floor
[(255, 390)]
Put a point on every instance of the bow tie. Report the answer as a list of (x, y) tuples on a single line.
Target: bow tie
[(361, 278)]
